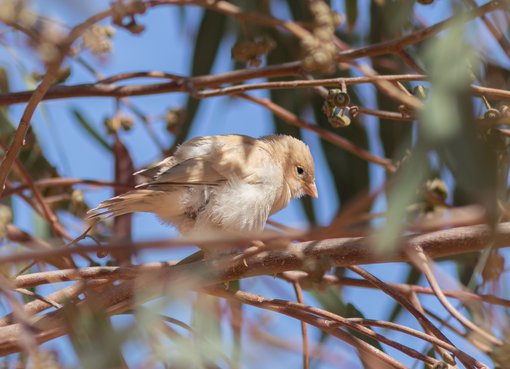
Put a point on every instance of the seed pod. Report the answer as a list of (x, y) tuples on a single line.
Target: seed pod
[(492, 114), (505, 111), (354, 111), (405, 111), (342, 99), (338, 119), (126, 122), (174, 119), (250, 51), (102, 254), (5, 219), (112, 124), (421, 92), (338, 98)]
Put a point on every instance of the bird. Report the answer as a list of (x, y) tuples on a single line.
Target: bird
[(225, 183)]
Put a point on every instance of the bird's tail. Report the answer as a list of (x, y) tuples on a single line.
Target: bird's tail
[(129, 202)]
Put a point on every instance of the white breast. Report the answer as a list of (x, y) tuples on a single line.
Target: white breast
[(238, 206)]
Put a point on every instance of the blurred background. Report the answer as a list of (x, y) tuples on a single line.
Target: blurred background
[(88, 137)]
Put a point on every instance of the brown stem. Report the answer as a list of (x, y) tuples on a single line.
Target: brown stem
[(304, 330), (304, 277), (419, 258), (40, 91)]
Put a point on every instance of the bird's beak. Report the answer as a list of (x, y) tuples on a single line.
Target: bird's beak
[(311, 189)]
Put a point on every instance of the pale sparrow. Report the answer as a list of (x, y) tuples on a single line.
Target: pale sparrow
[(229, 183)]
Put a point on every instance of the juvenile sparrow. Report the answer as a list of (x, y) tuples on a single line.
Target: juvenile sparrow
[(228, 183)]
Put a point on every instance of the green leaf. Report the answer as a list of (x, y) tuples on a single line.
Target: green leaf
[(4, 80), (388, 20), (449, 124), (206, 322), (351, 10), (207, 44), (409, 178), (92, 335), (236, 322), (89, 128), (450, 62), (299, 10)]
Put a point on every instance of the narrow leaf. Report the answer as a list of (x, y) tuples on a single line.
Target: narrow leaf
[(351, 10), (388, 20), (89, 128)]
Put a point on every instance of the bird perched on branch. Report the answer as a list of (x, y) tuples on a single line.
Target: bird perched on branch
[(229, 183)]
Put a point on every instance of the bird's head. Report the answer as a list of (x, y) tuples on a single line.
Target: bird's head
[(298, 166)]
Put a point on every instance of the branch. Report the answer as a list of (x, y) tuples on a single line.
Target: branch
[(40, 91), (157, 276), (394, 46), (341, 251), (332, 280), (281, 70)]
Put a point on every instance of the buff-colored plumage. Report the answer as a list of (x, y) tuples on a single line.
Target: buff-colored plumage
[(229, 183)]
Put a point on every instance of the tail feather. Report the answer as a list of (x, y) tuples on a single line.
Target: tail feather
[(129, 202)]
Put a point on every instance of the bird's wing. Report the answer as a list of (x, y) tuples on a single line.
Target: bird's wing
[(209, 160), (195, 171), (153, 171)]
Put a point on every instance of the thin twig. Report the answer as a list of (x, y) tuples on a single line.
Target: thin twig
[(304, 330), (421, 261), (420, 317), (401, 287), (57, 182), (50, 75), (328, 326)]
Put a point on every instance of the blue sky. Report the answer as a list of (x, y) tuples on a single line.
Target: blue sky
[(166, 46)]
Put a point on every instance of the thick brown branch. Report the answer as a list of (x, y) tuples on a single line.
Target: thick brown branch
[(341, 252)]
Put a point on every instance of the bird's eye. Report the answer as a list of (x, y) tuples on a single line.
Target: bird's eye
[(300, 170)]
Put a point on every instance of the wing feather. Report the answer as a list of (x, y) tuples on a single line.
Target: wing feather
[(208, 160), (189, 172)]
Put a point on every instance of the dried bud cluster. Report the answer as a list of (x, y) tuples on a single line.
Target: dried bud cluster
[(420, 92), (15, 11), (128, 10), (119, 121), (320, 48), (437, 187), (98, 39), (5, 219), (250, 51), (174, 118), (336, 106), (78, 205)]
